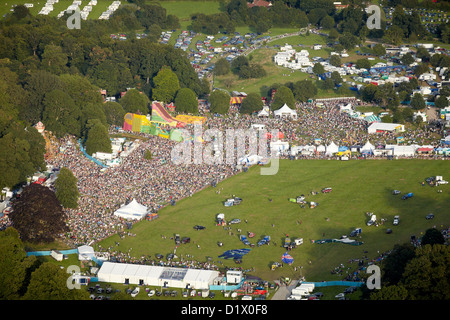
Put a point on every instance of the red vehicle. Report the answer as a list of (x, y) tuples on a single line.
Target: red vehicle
[(326, 190)]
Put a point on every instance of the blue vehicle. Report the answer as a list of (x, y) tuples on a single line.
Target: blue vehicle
[(244, 240), (263, 241), (407, 196)]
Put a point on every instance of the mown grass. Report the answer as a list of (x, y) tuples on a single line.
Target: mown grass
[(358, 187)]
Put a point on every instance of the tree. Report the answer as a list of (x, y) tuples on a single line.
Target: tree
[(426, 276), (333, 34), (238, 63), (186, 101), (441, 102), (318, 68), (283, 96), (114, 113), (433, 236), (363, 63), (54, 59), (335, 60), (40, 288), (327, 22), (61, 114), (395, 263), (407, 58), (97, 138), (166, 85), (219, 101), (37, 85), (395, 292), (135, 102), (66, 189), (91, 111), (304, 90), (251, 103), (15, 265), (379, 50), (417, 102), (37, 215), (222, 67)]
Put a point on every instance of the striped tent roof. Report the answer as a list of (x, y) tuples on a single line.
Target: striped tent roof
[(373, 118), (236, 100)]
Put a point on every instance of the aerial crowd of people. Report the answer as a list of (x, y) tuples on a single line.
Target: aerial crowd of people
[(157, 182)]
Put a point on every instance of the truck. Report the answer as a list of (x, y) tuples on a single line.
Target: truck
[(308, 286)]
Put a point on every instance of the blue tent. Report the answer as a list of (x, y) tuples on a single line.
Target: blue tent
[(234, 254), (287, 258)]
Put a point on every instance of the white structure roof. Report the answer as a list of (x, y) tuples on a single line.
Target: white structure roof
[(133, 210), (285, 111), (156, 275), (374, 127), (332, 148)]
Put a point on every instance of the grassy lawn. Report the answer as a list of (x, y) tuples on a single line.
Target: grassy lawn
[(275, 74), (184, 9), (358, 187)]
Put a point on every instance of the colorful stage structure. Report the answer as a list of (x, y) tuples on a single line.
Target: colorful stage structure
[(160, 123)]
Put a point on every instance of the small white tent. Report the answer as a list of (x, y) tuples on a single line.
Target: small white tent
[(332, 148), (321, 148), (133, 210), (263, 113), (285, 111), (85, 253), (368, 148)]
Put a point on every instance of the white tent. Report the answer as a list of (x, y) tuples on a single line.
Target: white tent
[(404, 151), (279, 146), (133, 210), (85, 253), (263, 113), (368, 147), (156, 275), (321, 148), (332, 148), (285, 111), (250, 160), (381, 127)]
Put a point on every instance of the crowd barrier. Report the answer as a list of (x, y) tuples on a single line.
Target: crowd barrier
[(47, 253), (90, 157)]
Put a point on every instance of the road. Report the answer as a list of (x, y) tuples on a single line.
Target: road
[(284, 292)]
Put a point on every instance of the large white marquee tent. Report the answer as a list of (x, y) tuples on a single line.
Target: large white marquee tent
[(156, 275), (133, 210)]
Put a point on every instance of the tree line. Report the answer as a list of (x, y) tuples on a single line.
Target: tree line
[(52, 74)]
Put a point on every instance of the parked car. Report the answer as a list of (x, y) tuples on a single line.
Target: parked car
[(396, 220), (234, 221), (429, 216), (395, 192), (326, 190), (177, 239), (197, 227), (318, 294), (185, 240)]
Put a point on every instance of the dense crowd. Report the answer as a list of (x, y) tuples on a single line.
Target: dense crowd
[(157, 182), (153, 183)]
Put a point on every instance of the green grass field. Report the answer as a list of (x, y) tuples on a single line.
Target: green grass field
[(358, 187)]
